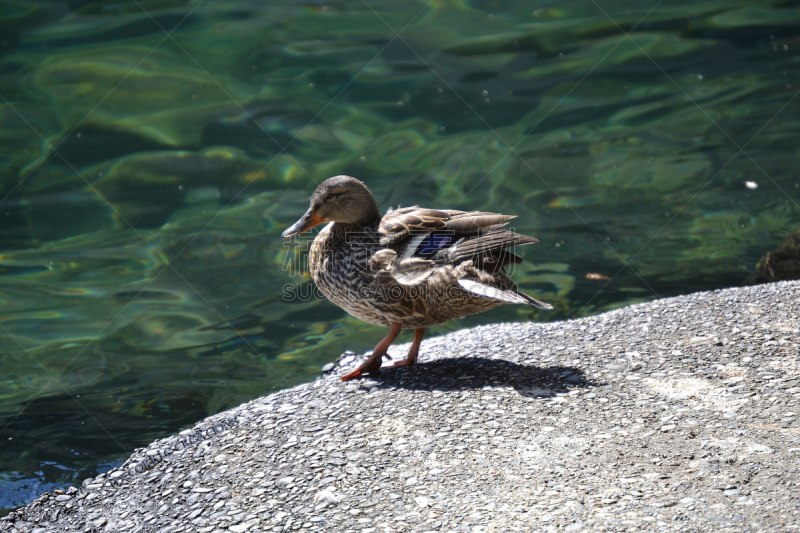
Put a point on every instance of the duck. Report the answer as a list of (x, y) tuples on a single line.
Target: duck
[(412, 268)]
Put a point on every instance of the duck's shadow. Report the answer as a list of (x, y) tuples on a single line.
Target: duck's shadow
[(476, 373)]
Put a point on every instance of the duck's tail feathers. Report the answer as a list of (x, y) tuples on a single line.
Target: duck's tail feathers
[(511, 297)]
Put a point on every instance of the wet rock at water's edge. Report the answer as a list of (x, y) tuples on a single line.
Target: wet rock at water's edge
[(781, 265)]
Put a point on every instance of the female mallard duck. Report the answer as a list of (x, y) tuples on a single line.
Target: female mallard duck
[(412, 268)]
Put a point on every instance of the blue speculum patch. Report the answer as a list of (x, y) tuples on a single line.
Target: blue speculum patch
[(434, 243)]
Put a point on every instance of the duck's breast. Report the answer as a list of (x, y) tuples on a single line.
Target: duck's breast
[(338, 261)]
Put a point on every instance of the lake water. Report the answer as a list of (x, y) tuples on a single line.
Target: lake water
[(152, 151)]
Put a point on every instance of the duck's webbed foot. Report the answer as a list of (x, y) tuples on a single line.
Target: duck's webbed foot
[(373, 364)]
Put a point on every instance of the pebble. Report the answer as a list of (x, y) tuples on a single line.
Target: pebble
[(326, 497), (642, 417)]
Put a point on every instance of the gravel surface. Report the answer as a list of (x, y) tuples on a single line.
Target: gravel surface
[(679, 414)]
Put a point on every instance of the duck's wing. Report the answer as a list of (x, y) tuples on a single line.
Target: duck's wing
[(425, 239), (452, 236), (401, 223)]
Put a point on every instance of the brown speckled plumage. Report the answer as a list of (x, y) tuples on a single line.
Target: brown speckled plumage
[(412, 268)]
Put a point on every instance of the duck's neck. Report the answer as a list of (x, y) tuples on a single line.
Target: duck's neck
[(335, 238), (340, 230)]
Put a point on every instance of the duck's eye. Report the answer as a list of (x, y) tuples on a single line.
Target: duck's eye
[(333, 195)]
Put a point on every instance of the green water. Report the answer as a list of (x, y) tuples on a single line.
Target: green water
[(151, 153)]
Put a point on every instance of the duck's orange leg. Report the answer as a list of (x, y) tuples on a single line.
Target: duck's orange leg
[(373, 364), (411, 358)]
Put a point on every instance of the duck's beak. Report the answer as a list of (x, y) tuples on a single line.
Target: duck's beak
[(306, 222)]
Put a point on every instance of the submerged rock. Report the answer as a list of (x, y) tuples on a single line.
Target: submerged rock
[(781, 265)]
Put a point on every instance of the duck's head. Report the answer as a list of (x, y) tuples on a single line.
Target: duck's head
[(337, 199)]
